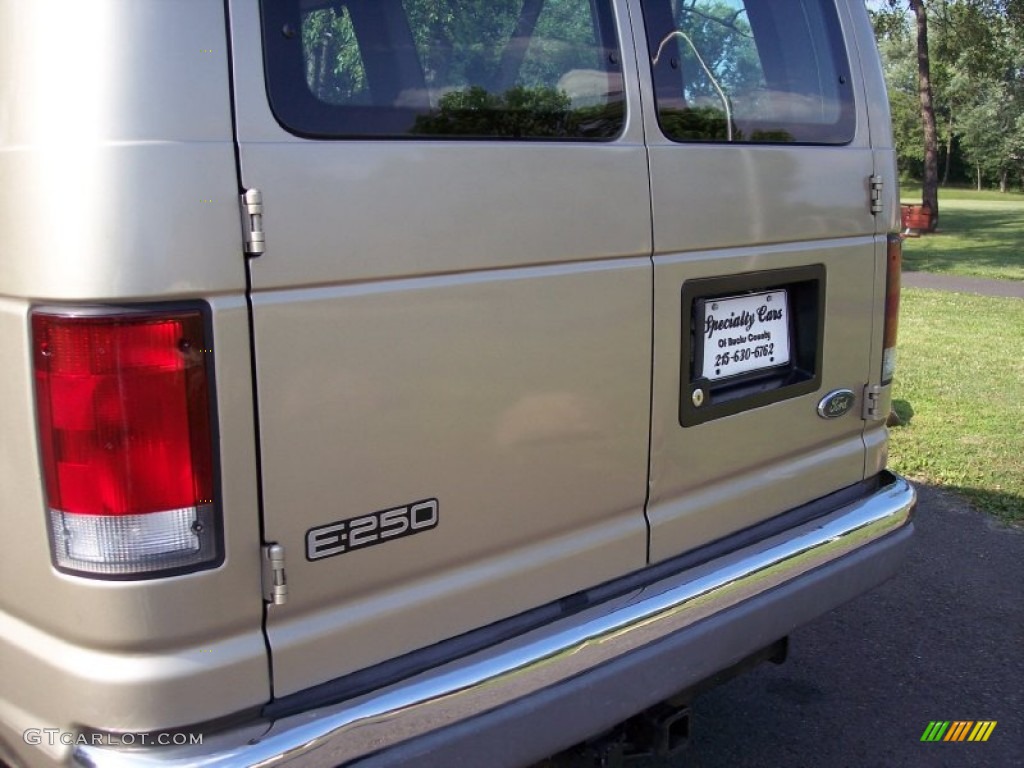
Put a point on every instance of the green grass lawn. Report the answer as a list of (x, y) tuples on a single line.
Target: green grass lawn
[(981, 234), (959, 390)]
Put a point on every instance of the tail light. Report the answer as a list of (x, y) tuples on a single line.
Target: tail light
[(893, 269), (125, 429)]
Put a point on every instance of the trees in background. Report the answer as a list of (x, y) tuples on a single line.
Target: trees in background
[(930, 176), (974, 52)]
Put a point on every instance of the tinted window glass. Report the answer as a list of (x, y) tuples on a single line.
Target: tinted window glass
[(530, 69), (750, 70)]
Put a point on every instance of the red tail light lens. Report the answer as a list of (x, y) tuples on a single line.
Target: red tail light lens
[(893, 270), (126, 436)]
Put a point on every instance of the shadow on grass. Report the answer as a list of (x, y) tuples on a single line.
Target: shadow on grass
[(904, 412), (972, 240), (1007, 507)]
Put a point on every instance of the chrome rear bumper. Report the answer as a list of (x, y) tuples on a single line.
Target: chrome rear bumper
[(615, 658)]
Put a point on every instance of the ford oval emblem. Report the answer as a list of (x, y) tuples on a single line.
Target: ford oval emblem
[(836, 404)]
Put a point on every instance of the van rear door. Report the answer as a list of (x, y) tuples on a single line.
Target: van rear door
[(452, 316), (764, 261)]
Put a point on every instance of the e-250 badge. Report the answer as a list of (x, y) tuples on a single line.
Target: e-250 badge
[(366, 531)]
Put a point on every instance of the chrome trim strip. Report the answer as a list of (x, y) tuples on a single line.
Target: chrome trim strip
[(542, 658)]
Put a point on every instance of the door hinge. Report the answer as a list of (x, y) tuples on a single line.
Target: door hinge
[(275, 582), (876, 193), (872, 404), (252, 222)]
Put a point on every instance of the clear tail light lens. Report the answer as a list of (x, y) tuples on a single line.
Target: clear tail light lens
[(125, 429), (893, 271)]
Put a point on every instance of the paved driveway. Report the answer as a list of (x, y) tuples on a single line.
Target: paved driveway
[(942, 641)]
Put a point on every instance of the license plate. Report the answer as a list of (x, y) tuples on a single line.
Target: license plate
[(743, 334)]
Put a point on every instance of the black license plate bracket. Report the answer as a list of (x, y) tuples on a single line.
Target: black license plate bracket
[(708, 392)]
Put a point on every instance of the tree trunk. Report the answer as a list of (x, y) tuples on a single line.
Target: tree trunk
[(949, 151), (1004, 178), (516, 48), (930, 190), (979, 177), (322, 57)]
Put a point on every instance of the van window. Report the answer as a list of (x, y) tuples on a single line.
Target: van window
[(521, 69), (750, 70)]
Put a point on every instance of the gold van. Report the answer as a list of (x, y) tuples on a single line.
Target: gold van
[(429, 382)]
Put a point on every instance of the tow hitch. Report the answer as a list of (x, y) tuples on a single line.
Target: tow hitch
[(660, 732), (663, 731)]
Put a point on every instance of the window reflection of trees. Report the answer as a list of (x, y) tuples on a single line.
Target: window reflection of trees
[(517, 68)]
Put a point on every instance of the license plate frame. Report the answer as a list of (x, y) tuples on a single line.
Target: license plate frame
[(703, 400)]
